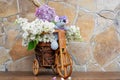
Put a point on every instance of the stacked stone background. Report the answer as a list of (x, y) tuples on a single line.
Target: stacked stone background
[(100, 50)]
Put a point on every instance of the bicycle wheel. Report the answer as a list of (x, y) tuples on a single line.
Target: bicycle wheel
[(35, 67), (65, 70)]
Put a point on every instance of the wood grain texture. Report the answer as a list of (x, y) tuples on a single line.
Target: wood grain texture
[(50, 75)]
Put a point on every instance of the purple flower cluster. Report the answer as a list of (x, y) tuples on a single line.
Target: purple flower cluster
[(45, 12)]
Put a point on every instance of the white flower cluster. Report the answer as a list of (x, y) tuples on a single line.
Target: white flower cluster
[(21, 21), (73, 34), (35, 30)]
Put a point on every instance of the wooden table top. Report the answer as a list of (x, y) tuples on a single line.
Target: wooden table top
[(50, 75)]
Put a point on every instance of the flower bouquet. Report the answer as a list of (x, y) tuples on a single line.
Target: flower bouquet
[(43, 27)]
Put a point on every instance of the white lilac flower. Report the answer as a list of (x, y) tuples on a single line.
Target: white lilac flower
[(22, 21), (32, 37), (24, 42), (40, 39), (33, 30), (48, 27), (73, 33), (25, 35)]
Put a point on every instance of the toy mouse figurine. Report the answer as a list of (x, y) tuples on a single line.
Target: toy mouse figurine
[(60, 24)]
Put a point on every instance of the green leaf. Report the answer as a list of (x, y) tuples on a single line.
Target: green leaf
[(31, 45), (36, 42)]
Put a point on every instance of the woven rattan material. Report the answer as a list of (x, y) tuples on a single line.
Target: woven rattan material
[(44, 54)]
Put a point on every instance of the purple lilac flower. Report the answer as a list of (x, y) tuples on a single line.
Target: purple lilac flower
[(45, 12), (56, 19)]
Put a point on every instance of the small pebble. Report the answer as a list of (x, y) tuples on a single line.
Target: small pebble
[(54, 78), (62, 78), (69, 78)]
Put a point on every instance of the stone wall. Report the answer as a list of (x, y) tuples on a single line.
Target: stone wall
[(99, 23)]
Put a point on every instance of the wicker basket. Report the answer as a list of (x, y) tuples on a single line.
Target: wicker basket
[(44, 54)]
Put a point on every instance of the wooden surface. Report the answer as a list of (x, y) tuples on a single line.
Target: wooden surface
[(49, 75)]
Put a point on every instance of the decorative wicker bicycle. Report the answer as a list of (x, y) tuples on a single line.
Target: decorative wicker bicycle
[(58, 60)]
